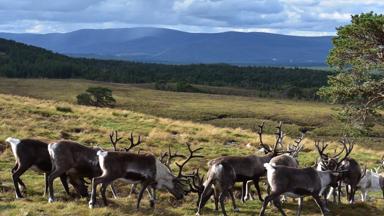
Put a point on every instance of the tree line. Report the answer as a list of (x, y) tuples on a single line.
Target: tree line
[(23, 61)]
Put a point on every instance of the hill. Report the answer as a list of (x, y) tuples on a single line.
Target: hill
[(23, 61), (177, 47), (27, 117)]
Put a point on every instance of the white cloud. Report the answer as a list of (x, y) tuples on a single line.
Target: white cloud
[(303, 17)]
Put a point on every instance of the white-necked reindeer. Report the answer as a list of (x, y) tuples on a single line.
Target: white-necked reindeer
[(289, 159), (371, 181), (74, 159), (32, 153)]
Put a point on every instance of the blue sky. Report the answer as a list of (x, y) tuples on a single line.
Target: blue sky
[(294, 17)]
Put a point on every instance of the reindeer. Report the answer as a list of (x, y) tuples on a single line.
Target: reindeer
[(31, 153), (297, 182), (145, 169), (333, 162), (74, 159), (251, 167), (289, 159), (225, 171), (371, 181)]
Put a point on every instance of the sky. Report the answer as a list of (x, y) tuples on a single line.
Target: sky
[(292, 17)]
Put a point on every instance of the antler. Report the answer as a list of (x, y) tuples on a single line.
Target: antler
[(133, 144), (197, 183), (166, 157), (260, 132), (114, 138), (191, 155), (348, 147), (294, 151), (279, 137), (321, 148), (364, 172), (382, 161)]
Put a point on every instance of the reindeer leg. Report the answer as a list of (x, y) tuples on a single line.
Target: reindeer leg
[(96, 181), (256, 182), (133, 190), (21, 183), (320, 204), (352, 195), (64, 182), (221, 200), (103, 189), (216, 199), (143, 188), (243, 191), (268, 199), (204, 197), (16, 179), (235, 208), (300, 206), (277, 204), (152, 194), (347, 191), (114, 193), (51, 177)]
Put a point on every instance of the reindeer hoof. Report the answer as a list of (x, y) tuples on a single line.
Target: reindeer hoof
[(197, 214), (19, 197), (236, 210), (152, 203), (51, 200), (91, 205)]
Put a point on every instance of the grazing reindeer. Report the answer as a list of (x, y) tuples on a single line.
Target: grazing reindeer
[(287, 159), (225, 171), (74, 159), (251, 167), (297, 182), (145, 169), (333, 163), (351, 177), (31, 153), (371, 181), (222, 176)]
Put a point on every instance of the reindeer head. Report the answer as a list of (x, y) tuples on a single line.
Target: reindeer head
[(264, 147), (178, 185), (333, 162)]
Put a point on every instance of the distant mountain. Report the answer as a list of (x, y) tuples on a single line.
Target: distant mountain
[(171, 46)]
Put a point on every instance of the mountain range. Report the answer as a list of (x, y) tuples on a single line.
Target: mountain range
[(176, 47)]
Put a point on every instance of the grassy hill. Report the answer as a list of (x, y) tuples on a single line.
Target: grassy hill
[(218, 110), (27, 117)]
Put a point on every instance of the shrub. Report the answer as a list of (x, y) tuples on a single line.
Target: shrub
[(97, 96), (64, 109)]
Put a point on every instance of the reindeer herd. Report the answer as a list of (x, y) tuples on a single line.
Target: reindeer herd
[(74, 163)]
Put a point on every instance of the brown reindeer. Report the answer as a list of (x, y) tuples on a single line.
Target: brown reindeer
[(225, 171), (144, 169), (31, 153)]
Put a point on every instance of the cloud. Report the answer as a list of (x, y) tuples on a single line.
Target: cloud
[(303, 17)]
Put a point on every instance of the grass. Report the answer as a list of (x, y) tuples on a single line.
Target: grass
[(218, 110), (38, 118)]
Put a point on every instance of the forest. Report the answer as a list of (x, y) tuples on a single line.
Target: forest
[(18, 60)]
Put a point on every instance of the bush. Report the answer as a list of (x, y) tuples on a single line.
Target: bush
[(63, 109), (97, 96)]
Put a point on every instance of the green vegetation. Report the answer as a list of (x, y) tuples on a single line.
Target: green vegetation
[(218, 110), (21, 61), (96, 96), (91, 126), (359, 84)]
